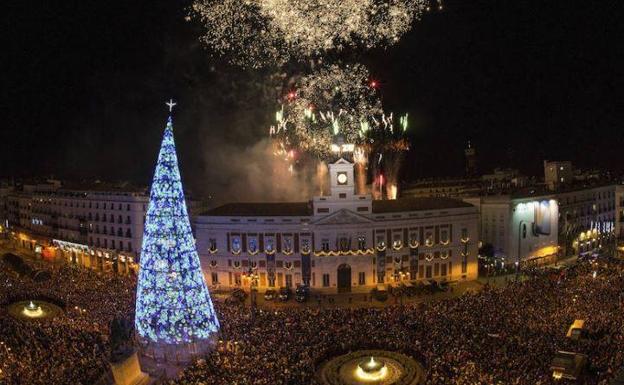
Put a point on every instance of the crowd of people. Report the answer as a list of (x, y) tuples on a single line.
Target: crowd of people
[(500, 335), (71, 348), (506, 335)]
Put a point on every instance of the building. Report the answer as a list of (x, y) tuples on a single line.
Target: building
[(98, 225), (521, 228), (341, 242), (587, 218), (471, 160), (557, 174), (619, 217)]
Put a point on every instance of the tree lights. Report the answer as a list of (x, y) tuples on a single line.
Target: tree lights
[(173, 305)]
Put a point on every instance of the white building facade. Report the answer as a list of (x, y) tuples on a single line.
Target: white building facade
[(91, 227), (342, 242), (520, 229)]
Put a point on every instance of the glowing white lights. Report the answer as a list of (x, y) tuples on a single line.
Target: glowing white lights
[(172, 304), (33, 310), (371, 370)]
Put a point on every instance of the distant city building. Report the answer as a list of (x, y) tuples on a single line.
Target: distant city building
[(471, 160), (557, 174), (95, 225), (341, 242)]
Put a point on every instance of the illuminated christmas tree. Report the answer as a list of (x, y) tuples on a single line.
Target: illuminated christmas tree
[(173, 306)]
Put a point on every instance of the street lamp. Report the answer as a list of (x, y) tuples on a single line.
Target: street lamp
[(521, 235)]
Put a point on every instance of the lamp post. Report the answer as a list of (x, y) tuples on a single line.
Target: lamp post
[(252, 274), (521, 232)]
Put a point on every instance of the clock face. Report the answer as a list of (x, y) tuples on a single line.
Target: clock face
[(342, 178)]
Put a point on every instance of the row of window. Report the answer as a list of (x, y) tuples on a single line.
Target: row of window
[(104, 205), (119, 233), (119, 246), (400, 238), (120, 220)]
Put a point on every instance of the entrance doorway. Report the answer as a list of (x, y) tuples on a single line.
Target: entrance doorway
[(344, 278)]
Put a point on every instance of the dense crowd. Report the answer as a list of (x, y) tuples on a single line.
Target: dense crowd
[(72, 348), (501, 335), (507, 335)]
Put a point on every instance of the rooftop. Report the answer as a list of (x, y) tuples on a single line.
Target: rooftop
[(417, 204), (304, 209), (261, 209)]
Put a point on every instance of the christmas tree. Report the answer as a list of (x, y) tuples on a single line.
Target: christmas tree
[(173, 305)]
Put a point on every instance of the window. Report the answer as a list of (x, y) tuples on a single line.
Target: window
[(361, 278), (342, 195), (112, 243), (119, 219), (362, 209), (128, 207), (119, 232), (429, 238), (129, 246), (322, 210), (215, 278), (344, 243), (325, 280), (464, 233), (361, 242), (128, 234), (128, 220), (288, 280), (444, 236), (212, 244), (325, 244)]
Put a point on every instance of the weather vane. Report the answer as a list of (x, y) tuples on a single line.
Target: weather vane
[(171, 104)]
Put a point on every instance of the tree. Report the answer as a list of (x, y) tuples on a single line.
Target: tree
[(173, 305)]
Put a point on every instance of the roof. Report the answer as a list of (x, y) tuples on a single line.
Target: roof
[(417, 204), (261, 209)]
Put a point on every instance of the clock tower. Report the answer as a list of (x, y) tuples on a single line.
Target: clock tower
[(343, 196), (341, 181)]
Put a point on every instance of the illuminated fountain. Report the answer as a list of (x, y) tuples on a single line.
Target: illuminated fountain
[(32, 310), (371, 367), (371, 370)]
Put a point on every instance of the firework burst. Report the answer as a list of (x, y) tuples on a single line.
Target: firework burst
[(256, 33), (332, 103)]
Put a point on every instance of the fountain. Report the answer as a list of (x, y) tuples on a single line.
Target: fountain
[(32, 310), (371, 367), (371, 370)]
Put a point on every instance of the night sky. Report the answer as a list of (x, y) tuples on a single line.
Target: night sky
[(85, 83)]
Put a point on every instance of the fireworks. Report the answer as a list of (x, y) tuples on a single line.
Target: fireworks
[(334, 104), (254, 33)]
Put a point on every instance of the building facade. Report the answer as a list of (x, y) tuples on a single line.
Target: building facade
[(341, 242), (522, 229), (94, 227), (557, 173), (587, 218)]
